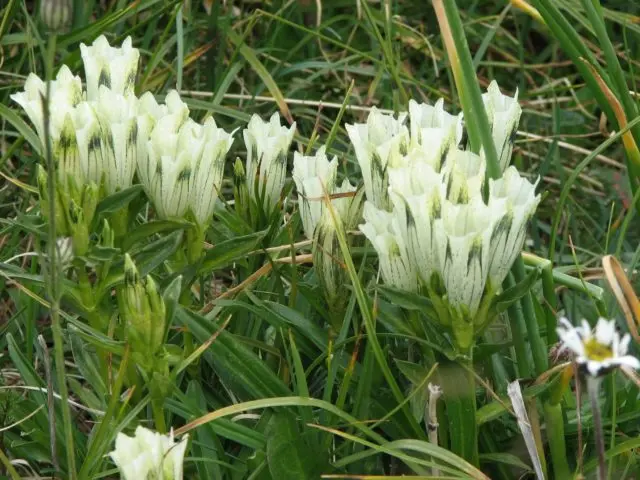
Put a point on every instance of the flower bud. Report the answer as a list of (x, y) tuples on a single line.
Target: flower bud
[(240, 192), (56, 15), (107, 236), (328, 262), (144, 313), (504, 114), (267, 145), (149, 455), (512, 202), (314, 177), (78, 227), (114, 67)]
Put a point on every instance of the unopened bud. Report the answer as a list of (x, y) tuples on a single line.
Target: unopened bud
[(56, 15), (240, 192), (106, 236), (89, 201), (78, 227), (144, 313), (328, 262)]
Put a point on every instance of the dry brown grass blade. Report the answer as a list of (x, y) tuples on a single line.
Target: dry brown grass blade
[(262, 271), (623, 291), (528, 9), (628, 141)]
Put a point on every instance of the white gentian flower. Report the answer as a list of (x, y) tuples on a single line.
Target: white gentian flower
[(205, 184), (434, 129), (382, 230), (464, 175), (504, 114), (512, 201), (113, 67), (267, 145), (417, 193), (313, 175), (172, 152), (463, 236), (149, 456), (66, 94), (597, 352), (183, 168), (381, 138), (110, 138)]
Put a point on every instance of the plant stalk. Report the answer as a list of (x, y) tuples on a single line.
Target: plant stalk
[(54, 292), (459, 389), (593, 388)]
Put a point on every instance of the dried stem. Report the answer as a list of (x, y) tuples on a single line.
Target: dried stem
[(593, 387)]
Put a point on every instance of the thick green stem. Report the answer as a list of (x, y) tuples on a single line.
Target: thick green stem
[(555, 434), (538, 347), (518, 329), (460, 397)]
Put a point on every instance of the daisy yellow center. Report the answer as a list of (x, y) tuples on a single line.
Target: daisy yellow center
[(594, 350)]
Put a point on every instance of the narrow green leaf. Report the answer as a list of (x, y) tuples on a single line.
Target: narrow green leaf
[(224, 253), (23, 129), (118, 200)]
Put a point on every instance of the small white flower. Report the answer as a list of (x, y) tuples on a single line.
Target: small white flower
[(597, 352), (209, 169), (381, 228), (381, 138), (434, 129), (512, 202), (113, 67), (464, 173), (66, 94), (149, 455), (417, 193), (463, 237), (313, 175), (267, 145), (504, 114)]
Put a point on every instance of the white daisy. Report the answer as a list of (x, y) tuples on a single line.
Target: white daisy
[(600, 351)]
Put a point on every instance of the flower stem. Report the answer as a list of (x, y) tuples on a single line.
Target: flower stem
[(158, 415), (54, 292), (460, 396), (593, 388)]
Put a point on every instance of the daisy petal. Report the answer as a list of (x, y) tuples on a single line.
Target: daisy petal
[(629, 361), (623, 346), (605, 331)]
